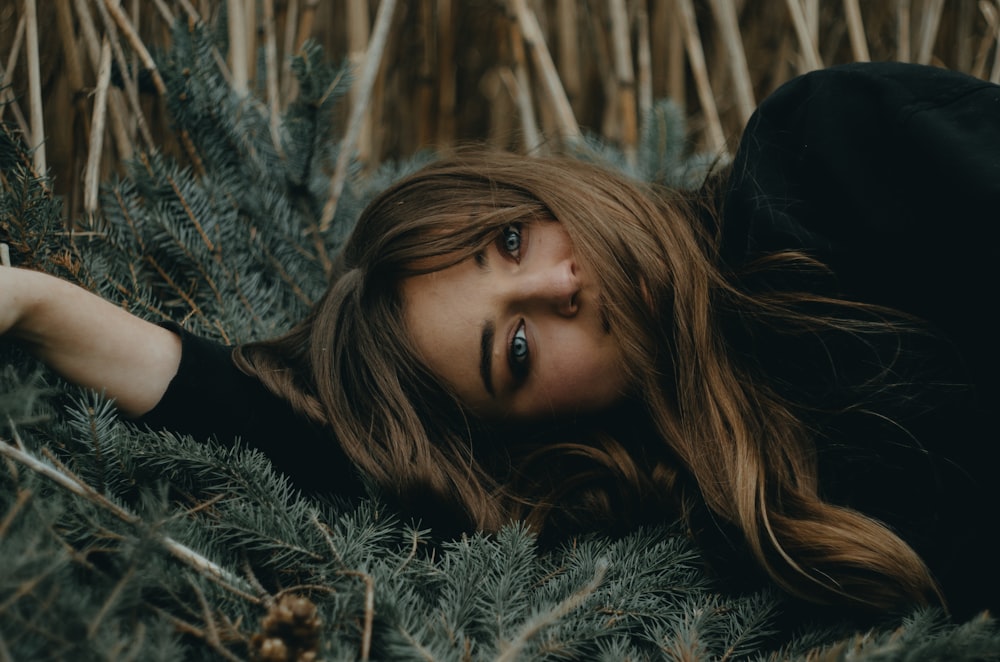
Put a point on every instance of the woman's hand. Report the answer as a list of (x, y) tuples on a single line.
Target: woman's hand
[(87, 340)]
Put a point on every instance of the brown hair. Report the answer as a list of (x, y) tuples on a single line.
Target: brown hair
[(715, 434)]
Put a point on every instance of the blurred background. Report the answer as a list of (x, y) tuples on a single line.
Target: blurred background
[(519, 74)]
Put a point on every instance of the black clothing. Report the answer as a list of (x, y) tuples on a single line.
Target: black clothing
[(888, 173), (210, 397)]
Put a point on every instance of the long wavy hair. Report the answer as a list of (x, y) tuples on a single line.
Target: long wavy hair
[(704, 429)]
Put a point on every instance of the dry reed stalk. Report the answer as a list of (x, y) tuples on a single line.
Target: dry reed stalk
[(605, 73), (624, 79), (978, 68), (220, 62), (252, 30), (567, 22), (810, 11), (992, 14), (903, 30), (447, 89), (133, 39), (807, 45), (856, 31), (271, 64), (7, 98), (643, 62), (131, 91), (239, 65), (15, 50), (930, 20), (89, 38), (372, 64), (357, 43), (116, 105), (165, 13), (726, 19), (306, 23), (375, 114), (190, 10), (139, 48), (782, 63), (531, 33), (963, 28), (719, 71), (496, 88), (995, 76), (34, 87), (92, 170), (499, 105), (78, 101), (424, 104), (74, 70), (288, 82), (134, 19), (676, 56), (519, 86), (696, 57)]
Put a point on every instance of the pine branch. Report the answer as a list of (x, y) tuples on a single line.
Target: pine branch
[(61, 476), (366, 632), (535, 625)]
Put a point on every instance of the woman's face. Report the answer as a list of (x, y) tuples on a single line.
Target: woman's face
[(518, 331)]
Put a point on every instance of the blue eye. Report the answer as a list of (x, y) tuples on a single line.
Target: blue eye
[(510, 240), (519, 352)]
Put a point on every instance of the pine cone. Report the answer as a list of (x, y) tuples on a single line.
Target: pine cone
[(289, 632)]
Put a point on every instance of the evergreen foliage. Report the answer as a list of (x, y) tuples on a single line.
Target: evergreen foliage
[(126, 544)]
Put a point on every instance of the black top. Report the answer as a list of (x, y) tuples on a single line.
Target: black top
[(210, 397), (890, 174)]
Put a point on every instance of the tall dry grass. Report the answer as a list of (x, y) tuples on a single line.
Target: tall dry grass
[(521, 74)]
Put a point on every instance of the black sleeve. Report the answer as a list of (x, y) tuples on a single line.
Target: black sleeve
[(210, 397), (889, 172)]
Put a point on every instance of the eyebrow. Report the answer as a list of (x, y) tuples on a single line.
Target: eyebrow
[(487, 337), (486, 356)]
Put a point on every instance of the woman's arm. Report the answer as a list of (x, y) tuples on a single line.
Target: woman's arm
[(87, 340)]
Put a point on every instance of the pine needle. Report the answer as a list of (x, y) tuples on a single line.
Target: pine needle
[(60, 476)]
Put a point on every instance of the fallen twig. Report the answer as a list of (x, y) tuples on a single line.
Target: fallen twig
[(61, 476)]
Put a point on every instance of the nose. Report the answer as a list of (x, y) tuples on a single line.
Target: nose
[(556, 287)]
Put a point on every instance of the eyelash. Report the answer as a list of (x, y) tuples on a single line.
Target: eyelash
[(511, 242), (519, 365), (509, 232)]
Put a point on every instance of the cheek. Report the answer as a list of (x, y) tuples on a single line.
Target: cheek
[(585, 373)]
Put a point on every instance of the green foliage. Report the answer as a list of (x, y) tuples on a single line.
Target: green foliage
[(30, 216), (664, 156), (228, 242), (123, 543)]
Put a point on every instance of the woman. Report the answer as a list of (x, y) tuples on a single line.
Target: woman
[(794, 359)]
